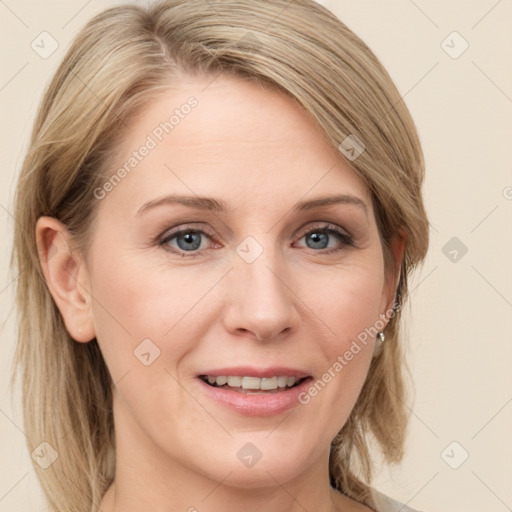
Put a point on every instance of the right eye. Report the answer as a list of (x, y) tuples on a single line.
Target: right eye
[(187, 240)]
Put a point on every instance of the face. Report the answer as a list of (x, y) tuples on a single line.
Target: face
[(263, 283)]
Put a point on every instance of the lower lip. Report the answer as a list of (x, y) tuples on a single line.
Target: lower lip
[(264, 404)]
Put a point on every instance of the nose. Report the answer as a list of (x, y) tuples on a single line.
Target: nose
[(261, 302)]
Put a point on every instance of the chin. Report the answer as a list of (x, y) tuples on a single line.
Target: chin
[(278, 466), (258, 478)]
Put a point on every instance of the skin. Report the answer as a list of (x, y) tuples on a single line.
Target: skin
[(295, 305)]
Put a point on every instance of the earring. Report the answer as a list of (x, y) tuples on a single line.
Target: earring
[(378, 343)]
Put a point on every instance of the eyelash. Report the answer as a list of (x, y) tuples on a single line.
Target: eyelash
[(343, 237)]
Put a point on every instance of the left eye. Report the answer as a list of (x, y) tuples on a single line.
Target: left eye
[(319, 236)]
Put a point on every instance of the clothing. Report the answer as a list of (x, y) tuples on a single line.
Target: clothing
[(386, 504)]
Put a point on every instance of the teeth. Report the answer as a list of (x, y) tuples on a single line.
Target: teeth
[(234, 382), (269, 383), (265, 384), (281, 381)]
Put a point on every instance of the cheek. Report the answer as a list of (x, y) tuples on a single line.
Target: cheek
[(134, 302), (349, 306), (348, 300)]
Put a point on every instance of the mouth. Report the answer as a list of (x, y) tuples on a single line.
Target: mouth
[(250, 385), (254, 390), (246, 395)]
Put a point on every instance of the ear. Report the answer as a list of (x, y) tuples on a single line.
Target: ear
[(392, 277), (66, 277)]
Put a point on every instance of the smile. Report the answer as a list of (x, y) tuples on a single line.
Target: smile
[(248, 395), (249, 385)]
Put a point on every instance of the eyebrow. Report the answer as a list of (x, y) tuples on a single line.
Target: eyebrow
[(220, 206)]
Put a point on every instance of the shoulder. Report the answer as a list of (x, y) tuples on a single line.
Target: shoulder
[(386, 504)]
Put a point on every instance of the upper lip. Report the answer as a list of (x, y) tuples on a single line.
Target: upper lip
[(252, 371)]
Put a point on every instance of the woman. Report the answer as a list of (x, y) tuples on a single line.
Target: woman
[(217, 218)]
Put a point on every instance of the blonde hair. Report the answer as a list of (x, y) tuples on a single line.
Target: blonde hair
[(120, 59)]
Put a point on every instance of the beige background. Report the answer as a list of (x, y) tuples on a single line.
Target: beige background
[(460, 323)]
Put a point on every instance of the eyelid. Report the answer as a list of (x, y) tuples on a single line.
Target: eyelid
[(172, 232), (344, 236), (322, 224), (304, 229)]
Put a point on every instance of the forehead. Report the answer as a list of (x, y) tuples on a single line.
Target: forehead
[(228, 138)]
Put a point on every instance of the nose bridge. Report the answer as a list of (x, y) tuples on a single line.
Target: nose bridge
[(265, 278), (260, 299)]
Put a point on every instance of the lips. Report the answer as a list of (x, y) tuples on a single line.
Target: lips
[(255, 391), (251, 371)]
